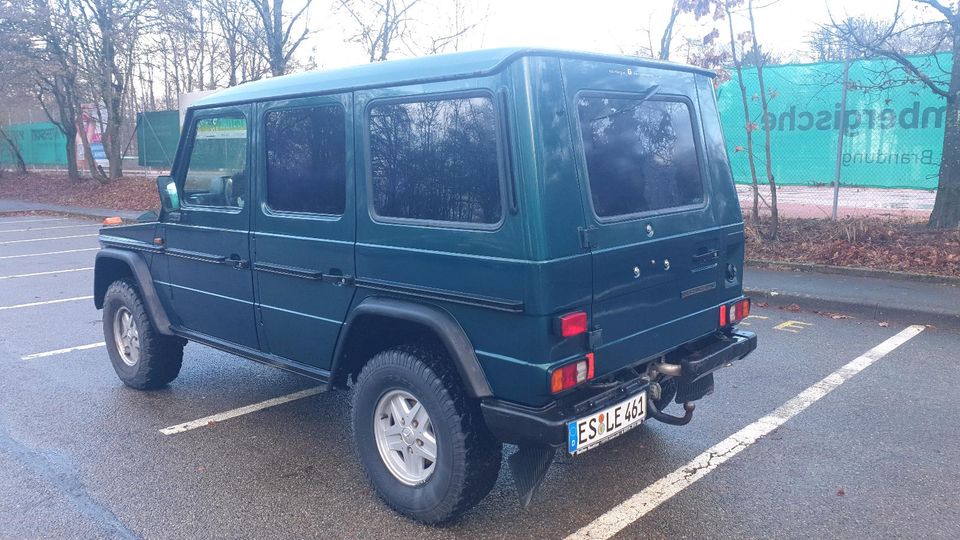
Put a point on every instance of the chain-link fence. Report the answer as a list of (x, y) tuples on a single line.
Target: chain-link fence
[(888, 127)]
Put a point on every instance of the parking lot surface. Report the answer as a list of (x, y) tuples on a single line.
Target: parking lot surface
[(834, 427)]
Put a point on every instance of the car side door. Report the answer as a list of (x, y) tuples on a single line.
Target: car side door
[(304, 225), (210, 285)]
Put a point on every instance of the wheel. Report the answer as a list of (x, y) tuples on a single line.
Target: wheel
[(142, 357), (421, 440)]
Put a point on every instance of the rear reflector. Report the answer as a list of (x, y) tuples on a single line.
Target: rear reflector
[(723, 315), (572, 324), (572, 374)]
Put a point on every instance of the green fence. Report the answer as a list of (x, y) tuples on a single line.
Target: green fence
[(894, 124), (157, 136), (40, 143)]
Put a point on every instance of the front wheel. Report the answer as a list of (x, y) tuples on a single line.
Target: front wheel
[(421, 440), (142, 357)]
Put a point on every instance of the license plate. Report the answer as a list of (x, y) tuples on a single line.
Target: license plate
[(588, 432)]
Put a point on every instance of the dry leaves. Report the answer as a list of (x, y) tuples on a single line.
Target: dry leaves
[(127, 193)]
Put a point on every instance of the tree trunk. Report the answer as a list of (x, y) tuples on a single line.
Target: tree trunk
[(755, 210), (73, 172), (667, 36), (946, 207), (21, 165), (774, 215)]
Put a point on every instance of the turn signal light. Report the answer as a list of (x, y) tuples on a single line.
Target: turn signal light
[(572, 324), (734, 313), (572, 374), (116, 220)]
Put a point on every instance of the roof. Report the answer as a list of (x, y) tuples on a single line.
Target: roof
[(410, 71)]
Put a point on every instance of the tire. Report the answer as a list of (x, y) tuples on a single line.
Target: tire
[(149, 360), (467, 455)]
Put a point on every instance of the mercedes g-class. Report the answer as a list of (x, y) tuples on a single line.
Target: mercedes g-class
[(522, 246)]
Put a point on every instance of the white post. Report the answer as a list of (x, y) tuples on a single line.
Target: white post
[(843, 128)]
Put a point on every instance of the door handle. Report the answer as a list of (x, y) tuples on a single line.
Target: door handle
[(238, 262), (710, 255)]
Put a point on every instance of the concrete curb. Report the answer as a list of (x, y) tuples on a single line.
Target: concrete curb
[(859, 309), (9, 206), (855, 271)]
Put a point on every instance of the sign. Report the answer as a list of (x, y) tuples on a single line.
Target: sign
[(893, 123), (90, 124)]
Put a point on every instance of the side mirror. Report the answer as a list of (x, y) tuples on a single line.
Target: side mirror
[(169, 196)]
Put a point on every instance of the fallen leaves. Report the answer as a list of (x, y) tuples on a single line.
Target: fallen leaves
[(127, 193), (898, 244)]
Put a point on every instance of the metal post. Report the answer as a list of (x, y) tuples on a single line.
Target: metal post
[(843, 128)]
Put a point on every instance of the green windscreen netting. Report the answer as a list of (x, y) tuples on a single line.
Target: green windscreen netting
[(894, 123)]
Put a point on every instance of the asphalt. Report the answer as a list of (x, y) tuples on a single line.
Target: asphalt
[(83, 457)]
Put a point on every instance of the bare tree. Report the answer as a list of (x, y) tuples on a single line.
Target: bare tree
[(699, 9), (886, 43), (378, 23), (280, 32), (749, 126), (462, 18), (758, 57)]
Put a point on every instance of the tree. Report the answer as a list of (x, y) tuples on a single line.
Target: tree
[(749, 125), (280, 40), (378, 23), (699, 9), (887, 43), (758, 57)]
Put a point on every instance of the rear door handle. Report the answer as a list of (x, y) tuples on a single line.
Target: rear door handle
[(238, 262), (707, 256)]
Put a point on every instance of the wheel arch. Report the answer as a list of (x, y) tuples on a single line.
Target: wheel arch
[(406, 319), (113, 264)]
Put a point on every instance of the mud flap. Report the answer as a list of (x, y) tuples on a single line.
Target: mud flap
[(529, 465)]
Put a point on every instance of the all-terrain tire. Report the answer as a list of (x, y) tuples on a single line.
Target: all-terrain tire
[(160, 357), (468, 456)]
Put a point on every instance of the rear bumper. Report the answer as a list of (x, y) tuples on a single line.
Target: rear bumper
[(518, 424)]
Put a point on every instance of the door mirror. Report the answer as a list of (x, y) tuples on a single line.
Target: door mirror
[(169, 196)]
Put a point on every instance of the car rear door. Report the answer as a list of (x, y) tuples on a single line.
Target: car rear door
[(304, 226), (655, 244)]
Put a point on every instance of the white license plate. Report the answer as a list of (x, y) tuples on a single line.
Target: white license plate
[(588, 432)]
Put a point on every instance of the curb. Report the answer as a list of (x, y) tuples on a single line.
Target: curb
[(870, 311), (855, 271), (74, 211)]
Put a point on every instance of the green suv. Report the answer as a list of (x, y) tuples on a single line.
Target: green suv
[(522, 246)]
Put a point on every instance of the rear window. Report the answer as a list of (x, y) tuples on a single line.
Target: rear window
[(436, 160), (640, 155)]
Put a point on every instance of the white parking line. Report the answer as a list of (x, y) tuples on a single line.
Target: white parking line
[(48, 253), (46, 273), (639, 505), (44, 239), (62, 351), (212, 419), (46, 228), (3, 222), (45, 302)]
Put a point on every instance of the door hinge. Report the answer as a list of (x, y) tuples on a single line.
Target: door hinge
[(588, 237)]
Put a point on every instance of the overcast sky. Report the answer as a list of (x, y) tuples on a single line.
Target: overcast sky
[(617, 26)]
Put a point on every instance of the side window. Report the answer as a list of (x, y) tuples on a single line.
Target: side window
[(217, 171), (306, 159), (640, 155), (436, 160)]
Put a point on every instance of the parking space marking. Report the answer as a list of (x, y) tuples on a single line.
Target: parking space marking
[(792, 326), (45, 302), (62, 351), (48, 253), (644, 502), (46, 228), (2, 222), (46, 273), (45, 239), (213, 419)]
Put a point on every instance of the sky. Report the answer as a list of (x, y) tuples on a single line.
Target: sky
[(611, 26)]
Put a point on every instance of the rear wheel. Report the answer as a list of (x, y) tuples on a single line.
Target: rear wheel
[(421, 440), (142, 357)]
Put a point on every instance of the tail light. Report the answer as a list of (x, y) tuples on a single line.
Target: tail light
[(734, 313), (571, 324), (572, 374)]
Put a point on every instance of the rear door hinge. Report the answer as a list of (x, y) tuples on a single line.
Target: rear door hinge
[(588, 237)]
